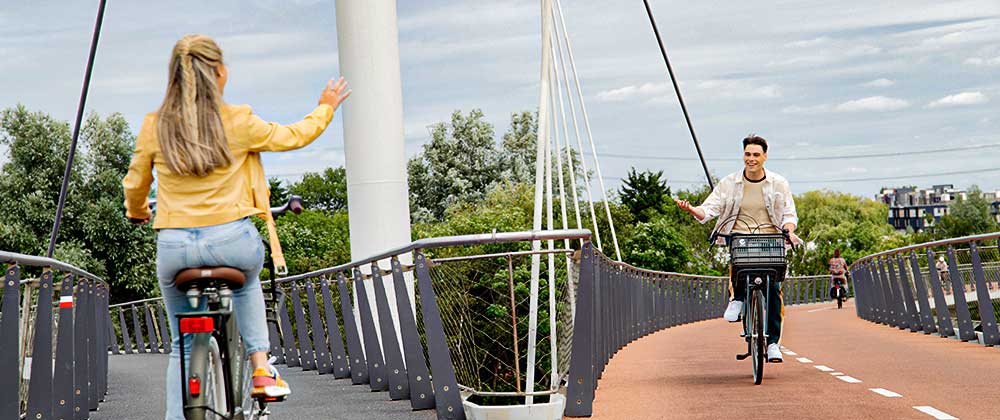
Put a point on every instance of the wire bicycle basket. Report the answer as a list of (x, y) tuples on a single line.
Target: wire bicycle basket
[(757, 249)]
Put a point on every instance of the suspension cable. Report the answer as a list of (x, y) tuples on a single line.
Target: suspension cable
[(76, 128), (677, 89), (562, 191), (586, 122)]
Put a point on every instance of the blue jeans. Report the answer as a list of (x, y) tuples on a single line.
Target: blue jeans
[(235, 244)]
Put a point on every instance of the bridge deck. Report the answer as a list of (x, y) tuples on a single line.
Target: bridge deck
[(136, 388), (690, 372)]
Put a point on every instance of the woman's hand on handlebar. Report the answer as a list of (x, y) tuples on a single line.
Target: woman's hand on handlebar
[(334, 93)]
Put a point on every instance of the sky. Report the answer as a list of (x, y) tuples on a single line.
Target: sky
[(820, 80)]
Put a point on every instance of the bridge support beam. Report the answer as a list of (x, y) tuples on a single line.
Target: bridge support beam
[(377, 192)]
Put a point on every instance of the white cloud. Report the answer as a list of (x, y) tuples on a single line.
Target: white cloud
[(808, 42), (960, 99), (873, 104), (983, 62), (879, 83), (806, 110), (633, 91)]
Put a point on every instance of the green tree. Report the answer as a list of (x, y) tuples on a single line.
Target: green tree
[(831, 220), (642, 192), (94, 234), (279, 193), (657, 245), (519, 148), (325, 191), (459, 164), (969, 216), (312, 240)]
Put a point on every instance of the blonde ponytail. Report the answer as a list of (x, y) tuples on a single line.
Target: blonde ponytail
[(190, 131)]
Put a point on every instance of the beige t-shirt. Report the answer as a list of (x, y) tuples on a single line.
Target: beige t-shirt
[(753, 206)]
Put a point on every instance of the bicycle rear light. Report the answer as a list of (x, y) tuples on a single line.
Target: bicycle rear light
[(194, 386), (197, 325)]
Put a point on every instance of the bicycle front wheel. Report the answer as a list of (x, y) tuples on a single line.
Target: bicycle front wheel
[(757, 340), (206, 369)]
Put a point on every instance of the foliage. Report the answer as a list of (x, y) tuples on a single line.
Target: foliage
[(644, 192), (517, 156), (312, 240), (279, 194), (460, 164), (657, 245), (94, 234), (323, 191), (967, 216)]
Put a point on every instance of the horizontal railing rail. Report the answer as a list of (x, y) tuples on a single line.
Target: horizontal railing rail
[(934, 288), (52, 363)]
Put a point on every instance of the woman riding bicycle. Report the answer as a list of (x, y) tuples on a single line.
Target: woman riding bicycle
[(206, 154), (838, 275), (751, 194)]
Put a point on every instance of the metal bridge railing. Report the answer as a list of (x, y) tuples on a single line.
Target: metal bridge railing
[(51, 361), (934, 287)]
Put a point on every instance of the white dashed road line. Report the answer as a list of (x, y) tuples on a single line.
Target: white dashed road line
[(791, 353), (848, 379), (804, 360), (885, 392), (823, 368), (836, 373), (820, 309), (933, 412)]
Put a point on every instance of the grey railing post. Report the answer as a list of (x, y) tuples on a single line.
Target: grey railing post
[(580, 385), (165, 336), (10, 405), (359, 366), (373, 352), (126, 340), (40, 385), (446, 395), (112, 335), (911, 304), (341, 368), (324, 358), (101, 345), (62, 390), (926, 318), (81, 395), (902, 303), (399, 388), (991, 336), (93, 368), (965, 329), (140, 341), (154, 341), (421, 392), (889, 305), (306, 358), (945, 327), (288, 341)]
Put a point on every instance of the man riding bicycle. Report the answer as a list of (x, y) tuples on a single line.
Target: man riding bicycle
[(754, 200)]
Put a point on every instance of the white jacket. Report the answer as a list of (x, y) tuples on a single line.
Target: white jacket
[(725, 200)]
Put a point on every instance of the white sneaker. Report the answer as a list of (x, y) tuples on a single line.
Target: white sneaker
[(774, 353), (733, 311)]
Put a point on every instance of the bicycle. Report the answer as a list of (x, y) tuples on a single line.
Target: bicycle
[(839, 292), (760, 259), (217, 383)]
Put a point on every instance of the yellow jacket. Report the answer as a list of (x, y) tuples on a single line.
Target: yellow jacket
[(228, 193)]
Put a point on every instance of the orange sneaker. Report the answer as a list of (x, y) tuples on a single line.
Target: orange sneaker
[(267, 383)]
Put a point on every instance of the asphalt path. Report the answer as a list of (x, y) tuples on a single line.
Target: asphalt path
[(836, 366), (137, 384)]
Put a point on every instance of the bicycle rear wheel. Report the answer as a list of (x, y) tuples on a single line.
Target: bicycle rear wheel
[(757, 340), (206, 367)]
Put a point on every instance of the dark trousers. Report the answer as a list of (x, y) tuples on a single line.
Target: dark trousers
[(775, 306)]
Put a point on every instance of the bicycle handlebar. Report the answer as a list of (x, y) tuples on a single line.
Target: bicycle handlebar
[(294, 204)]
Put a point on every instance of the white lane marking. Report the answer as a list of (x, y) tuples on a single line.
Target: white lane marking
[(848, 379), (933, 412), (824, 368), (804, 360), (885, 392), (836, 373), (791, 353), (820, 309)]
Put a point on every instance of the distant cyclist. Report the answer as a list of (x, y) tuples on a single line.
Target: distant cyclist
[(838, 274), (759, 195), (209, 181)]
